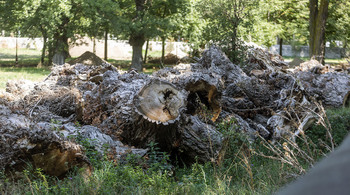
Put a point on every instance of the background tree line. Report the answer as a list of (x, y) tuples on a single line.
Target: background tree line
[(199, 22)]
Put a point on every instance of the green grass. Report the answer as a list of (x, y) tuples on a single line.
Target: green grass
[(26, 57), (27, 73), (242, 171), (265, 177)]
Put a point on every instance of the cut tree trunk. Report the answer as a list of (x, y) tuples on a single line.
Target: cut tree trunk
[(139, 110)]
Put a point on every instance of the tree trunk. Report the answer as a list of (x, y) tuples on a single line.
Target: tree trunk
[(281, 46), (16, 57), (59, 56), (106, 45), (317, 25), (146, 52), (42, 60), (136, 62), (313, 7), (137, 42), (94, 45), (61, 49), (51, 51), (163, 51)]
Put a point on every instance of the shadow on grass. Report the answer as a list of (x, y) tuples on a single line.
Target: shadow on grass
[(10, 57), (21, 63)]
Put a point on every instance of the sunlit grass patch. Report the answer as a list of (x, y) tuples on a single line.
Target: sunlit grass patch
[(24, 73)]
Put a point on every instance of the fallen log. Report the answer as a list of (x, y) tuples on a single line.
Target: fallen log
[(24, 143), (138, 110), (331, 88), (178, 107)]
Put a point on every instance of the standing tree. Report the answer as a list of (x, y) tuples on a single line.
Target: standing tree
[(224, 18), (317, 28), (57, 21), (169, 16), (139, 27), (145, 19), (99, 19)]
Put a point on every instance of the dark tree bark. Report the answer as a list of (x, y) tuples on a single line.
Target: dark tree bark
[(16, 60), (42, 61), (106, 45), (61, 50), (163, 51), (317, 28), (137, 42), (60, 44)]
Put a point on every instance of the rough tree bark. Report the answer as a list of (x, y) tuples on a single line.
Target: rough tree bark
[(60, 45), (43, 52), (139, 110), (317, 28), (137, 41)]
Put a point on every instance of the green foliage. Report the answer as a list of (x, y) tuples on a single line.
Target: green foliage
[(224, 20), (339, 120), (283, 19), (158, 161), (338, 22)]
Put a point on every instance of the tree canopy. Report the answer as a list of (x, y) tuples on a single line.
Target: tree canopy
[(198, 22)]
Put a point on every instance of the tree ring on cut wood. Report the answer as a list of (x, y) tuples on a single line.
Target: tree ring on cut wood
[(160, 102), (203, 99)]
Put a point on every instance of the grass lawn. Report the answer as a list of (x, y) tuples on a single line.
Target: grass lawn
[(26, 57), (27, 73)]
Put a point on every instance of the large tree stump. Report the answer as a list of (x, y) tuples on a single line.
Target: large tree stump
[(160, 102)]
